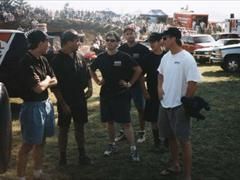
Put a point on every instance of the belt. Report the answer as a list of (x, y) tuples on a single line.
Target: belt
[(173, 108)]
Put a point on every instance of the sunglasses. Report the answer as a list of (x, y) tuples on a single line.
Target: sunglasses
[(164, 38), (110, 40)]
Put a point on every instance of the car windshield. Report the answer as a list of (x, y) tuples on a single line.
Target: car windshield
[(203, 39)]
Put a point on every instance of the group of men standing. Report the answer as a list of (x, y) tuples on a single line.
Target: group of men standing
[(169, 72)]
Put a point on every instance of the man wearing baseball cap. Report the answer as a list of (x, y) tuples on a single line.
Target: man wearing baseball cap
[(36, 115), (178, 77), (149, 65)]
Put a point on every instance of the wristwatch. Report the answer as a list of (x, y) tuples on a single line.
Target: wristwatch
[(129, 84)]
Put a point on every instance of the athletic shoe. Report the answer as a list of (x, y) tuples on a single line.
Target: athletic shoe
[(134, 156), (111, 148), (141, 137), (121, 136)]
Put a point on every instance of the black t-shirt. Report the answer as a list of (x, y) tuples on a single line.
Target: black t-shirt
[(72, 74), (149, 66), (113, 68), (136, 52), (28, 66)]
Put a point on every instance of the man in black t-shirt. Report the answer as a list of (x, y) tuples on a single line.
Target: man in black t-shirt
[(73, 77), (36, 115), (150, 64), (136, 51), (119, 71)]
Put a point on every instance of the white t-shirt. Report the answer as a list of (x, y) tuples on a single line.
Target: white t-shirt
[(177, 70)]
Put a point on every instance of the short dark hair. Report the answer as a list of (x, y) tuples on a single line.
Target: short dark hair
[(155, 36), (70, 35), (34, 37), (128, 29), (113, 34), (173, 32)]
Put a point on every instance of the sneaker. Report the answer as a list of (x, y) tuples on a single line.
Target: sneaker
[(84, 160), (121, 136), (134, 156), (141, 137), (111, 148)]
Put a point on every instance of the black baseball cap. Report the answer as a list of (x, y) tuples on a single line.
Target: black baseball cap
[(173, 32), (71, 35), (155, 36)]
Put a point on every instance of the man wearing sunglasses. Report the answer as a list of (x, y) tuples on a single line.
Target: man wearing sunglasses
[(119, 71), (178, 77), (149, 65), (136, 51), (73, 77)]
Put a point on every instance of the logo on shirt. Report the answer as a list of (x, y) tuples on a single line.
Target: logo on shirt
[(176, 62), (136, 55), (117, 63)]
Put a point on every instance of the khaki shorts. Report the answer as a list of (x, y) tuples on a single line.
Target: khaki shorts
[(174, 122)]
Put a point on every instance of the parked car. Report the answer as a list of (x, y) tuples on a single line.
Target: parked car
[(218, 36), (197, 41), (13, 46), (228, 57), (203, 55)]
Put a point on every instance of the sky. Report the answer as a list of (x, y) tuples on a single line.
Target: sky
[(218, 10)]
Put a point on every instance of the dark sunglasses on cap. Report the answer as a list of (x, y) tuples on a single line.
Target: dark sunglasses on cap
[(110, 40)]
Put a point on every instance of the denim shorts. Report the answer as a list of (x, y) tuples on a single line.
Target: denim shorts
[(137, 95), (37, 121)]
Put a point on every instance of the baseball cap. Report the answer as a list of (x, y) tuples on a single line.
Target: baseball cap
[(173, 32), (70, 35), (35, 37), (155, 36)]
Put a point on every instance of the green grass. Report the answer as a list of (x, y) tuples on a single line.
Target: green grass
[(215, 140)]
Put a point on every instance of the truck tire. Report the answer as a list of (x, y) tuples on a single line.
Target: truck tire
[(232, 63), (5, 129)]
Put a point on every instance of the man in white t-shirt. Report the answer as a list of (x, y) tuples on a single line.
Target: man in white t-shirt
[(178, 77)]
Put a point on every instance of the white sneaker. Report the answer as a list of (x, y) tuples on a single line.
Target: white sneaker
[(141, 137), (121, 136)]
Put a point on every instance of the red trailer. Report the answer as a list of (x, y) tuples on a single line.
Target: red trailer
[(189, 19)]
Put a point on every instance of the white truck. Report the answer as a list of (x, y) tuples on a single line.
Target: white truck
[(228, 57)]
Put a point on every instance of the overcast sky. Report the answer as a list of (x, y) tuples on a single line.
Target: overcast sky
[(217, 10)]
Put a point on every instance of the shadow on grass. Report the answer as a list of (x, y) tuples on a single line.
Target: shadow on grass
[(220, 73)]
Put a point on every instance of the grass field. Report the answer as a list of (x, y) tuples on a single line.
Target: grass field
[(216, 147)]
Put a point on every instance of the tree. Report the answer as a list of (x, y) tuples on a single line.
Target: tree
[(20, 4)]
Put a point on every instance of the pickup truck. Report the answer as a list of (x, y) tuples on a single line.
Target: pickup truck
[(228, 57)]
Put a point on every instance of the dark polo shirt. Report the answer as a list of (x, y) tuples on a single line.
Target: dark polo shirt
[(149, 65), (72, 74), (113, 68), (28, 66), (136, 52)]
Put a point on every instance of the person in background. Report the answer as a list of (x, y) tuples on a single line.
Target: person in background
[(149, 65), (36, 115), (73, 77), (178, 77), (136, 51), (119, 72)]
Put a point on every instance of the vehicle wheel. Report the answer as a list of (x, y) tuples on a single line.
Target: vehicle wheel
[(5, 129), (232, 64)]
